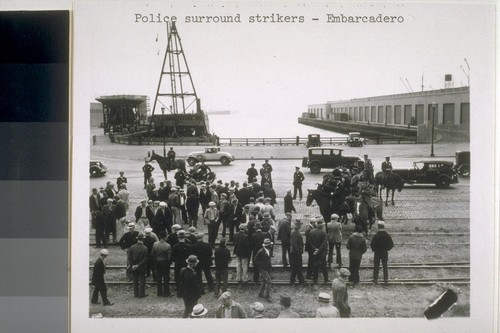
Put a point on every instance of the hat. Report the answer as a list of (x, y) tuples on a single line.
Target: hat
[(297, 167), (242, 226), (199, 310), (140, 236), (192, 259), (365, 155), (267, 242), (104, 252), (253, 164), (381, 224), (176, 226), (199, 235), (288, 214), (345, 272), (156, 202), (144, 201), (257, 306), (335, 217), (181, 234), (181, 190), (203, 185), (150, 201), (109, 200), (163, 204), (225, 295), (321, 222), (297, 222), (258, 225), (324, 297), (148, 230), (191, 229), (131, 224), (246, 206), (267, 215), (223, 195), (211, 204), (387, 157)]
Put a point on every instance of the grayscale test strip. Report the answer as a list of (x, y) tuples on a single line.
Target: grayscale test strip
[(34, 113)]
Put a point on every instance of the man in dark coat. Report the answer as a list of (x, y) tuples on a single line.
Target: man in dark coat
[(180, 178), (138, 258), (95, 205), (98, 279), (121, 180), (251, 173), (180, 252), (100, 230), (192, 208), (257, 239), (205, 198), (284, 233), (224, 213), (141, 215), (262, 260), (288, 202), (242, 251), (149, 242), (309, 248), (356, 244), (147, 169), (298, 178), (163, 192), (203, 251), (162, 219), (109, 216), (296, 250), (236, 214), (161, 256), (222, 257), (189, 285), (319, 247), (171, 158), (381, 244)]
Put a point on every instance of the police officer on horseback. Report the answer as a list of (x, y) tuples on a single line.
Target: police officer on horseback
[(387, 167), (171, 157)]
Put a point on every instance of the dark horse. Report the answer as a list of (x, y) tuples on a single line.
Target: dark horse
[(326, 210), (391, 182), (164, 164)]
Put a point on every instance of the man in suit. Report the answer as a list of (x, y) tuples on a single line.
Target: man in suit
[(192, 207), (121, 180), (95, 205), (180, 252), (189, 285), (138, 258), (147, 169), (257, 239), (141, 216), (252, 173), (162, 219), (161, 256), (284, 234), (298, 178), (263, 260), (110, 190), (242, 251), (109, 216), (296, 250), (319, 246), (204, 198), (244, 194), (203, 251), (288, 202), (98, 279), (236, 214)]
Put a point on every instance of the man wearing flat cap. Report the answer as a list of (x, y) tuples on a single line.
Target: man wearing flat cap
[(257, 310), (189, 288), (251, 173), (263, 261), (229, 308), (356, 244), (211, 218), (98, 279), (381, 244), (138, 258), (286, 312), (162, 257), (242, 251), (339, 292)]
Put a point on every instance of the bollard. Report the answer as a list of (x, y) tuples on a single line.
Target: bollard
[(297, 140), (94, 139)]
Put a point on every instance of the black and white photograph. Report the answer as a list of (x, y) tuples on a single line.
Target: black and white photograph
[(270, 160)]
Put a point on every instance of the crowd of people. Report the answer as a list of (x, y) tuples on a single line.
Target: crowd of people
[(166, 232)]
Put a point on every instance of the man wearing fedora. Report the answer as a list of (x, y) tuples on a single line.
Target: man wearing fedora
[(98, 279), (263, 261), (203, 251), (189, 285), (339, 292), (180, 252), (296, 250), (138, 258), (326, 310), (381, 244), (356, 244), (199, 311), (319, 247)]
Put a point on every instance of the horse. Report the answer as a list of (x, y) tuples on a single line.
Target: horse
[(326, 209), (391, 182), (164, 163)]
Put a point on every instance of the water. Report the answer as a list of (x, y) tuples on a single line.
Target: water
[(237, 125)]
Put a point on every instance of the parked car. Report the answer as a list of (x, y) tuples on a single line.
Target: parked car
[(328, 158), (97, 169), (441, 173), (313, 140), (355, 140), (210, 154), (462, 163)]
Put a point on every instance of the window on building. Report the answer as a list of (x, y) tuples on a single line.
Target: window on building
[(419, 113), (380, 114), (388, 114), (448, 113), (408, 114), (373, 116), (367, 113), (356, 115), (429, 113), (397, 114), (464, 113)]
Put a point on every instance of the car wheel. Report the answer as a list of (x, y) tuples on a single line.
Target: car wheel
[(443, 182), (191, 161), (464, 170), (315, 167), (224, 160), (94, 172)]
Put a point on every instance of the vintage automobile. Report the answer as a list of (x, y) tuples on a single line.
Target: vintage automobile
[(355, 140), (313, 140), (441, 173), (97, 169), (462, 163), (210, 154), (328, 158)]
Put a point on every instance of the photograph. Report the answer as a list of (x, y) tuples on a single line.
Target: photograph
[(270, 160)]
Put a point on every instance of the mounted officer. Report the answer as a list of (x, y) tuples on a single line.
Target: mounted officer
[(386, 167)]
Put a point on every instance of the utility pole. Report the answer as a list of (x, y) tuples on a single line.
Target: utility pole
[(432, 129)]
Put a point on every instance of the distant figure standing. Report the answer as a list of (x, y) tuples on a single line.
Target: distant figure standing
[(339, 292), (265, 174), (161, 256), (319, 247), (334, 230), (189, 285), (381, 244), (326, 310), (222, 257), (284, 234), (138, 258), (298, 178), (288, 202), (171, 157), (263, 260), (296, 250), (98, 279), (147, 169), (242, 251), (252, 173), (121, 180), (356, 244)]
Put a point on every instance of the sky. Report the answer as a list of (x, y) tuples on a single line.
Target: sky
[(269, 72)]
